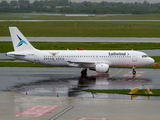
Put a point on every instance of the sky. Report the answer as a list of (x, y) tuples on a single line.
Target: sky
[(128, 1)]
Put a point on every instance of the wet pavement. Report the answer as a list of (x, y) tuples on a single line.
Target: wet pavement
[(67, 82), (55, 94)]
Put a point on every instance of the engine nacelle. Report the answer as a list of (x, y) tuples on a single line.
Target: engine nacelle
[(102, 68)]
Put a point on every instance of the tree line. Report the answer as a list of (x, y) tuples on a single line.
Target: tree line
[(66, 6)]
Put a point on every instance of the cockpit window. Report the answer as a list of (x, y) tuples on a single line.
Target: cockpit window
[(144, 56)]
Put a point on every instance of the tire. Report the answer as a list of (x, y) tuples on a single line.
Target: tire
[(84, 72), (134, 72)]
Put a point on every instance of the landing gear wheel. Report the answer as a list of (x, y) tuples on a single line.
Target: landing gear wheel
[(84, 72), (134, 71)]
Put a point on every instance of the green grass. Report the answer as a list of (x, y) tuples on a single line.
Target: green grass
[(7, 46), (156, 58), (156, 92), (21, 64), (84, 29), (8, 59)]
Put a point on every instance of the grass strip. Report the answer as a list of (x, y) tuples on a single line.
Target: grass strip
[(141, 92), (8, 59), (7, 46), (21, 64), (156, 58), (85, 28)]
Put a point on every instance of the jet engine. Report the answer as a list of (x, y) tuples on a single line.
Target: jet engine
[(101, 68)]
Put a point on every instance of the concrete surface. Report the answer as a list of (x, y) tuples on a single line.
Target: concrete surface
[(113, 109)]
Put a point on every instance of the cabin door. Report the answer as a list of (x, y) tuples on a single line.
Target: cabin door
[(134, 56)]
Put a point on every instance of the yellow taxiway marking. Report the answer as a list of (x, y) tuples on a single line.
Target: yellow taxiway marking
[(115, 73), (61, 113)]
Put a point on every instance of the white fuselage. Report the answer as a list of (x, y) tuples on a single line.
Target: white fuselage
[(87, 58)]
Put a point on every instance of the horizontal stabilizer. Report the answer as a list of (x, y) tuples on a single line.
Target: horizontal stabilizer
[(14, 54)]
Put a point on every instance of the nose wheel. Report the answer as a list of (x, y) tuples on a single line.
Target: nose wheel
[(133, 71), (84, 72)]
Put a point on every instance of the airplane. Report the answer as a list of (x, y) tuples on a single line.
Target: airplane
[(96, 60)]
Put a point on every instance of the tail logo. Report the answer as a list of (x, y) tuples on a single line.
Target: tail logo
[(21, 42)]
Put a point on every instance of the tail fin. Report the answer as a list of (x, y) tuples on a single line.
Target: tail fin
[(20, 43)]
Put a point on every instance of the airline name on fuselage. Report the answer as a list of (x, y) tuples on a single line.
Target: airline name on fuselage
[(118, 53)]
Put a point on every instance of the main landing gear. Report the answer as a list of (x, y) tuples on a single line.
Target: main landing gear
[(133, 71), (84, 72)]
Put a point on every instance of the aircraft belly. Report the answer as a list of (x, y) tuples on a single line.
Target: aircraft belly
[(59, 64), (122, 63)]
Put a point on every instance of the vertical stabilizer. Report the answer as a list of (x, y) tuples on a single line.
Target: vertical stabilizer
[(20, 42)]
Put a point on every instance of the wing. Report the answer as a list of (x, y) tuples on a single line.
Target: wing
[(79, 63), (86, 64)]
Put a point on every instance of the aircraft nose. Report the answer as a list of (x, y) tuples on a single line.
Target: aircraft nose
[(151, 61)]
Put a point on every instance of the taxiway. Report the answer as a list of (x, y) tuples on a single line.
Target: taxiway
[(87, 39), (68, 82)]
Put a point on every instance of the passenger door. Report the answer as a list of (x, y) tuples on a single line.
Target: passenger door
[(134, 56)]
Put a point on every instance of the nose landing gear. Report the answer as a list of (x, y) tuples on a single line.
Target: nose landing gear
[(84, 72), (133, 71)]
